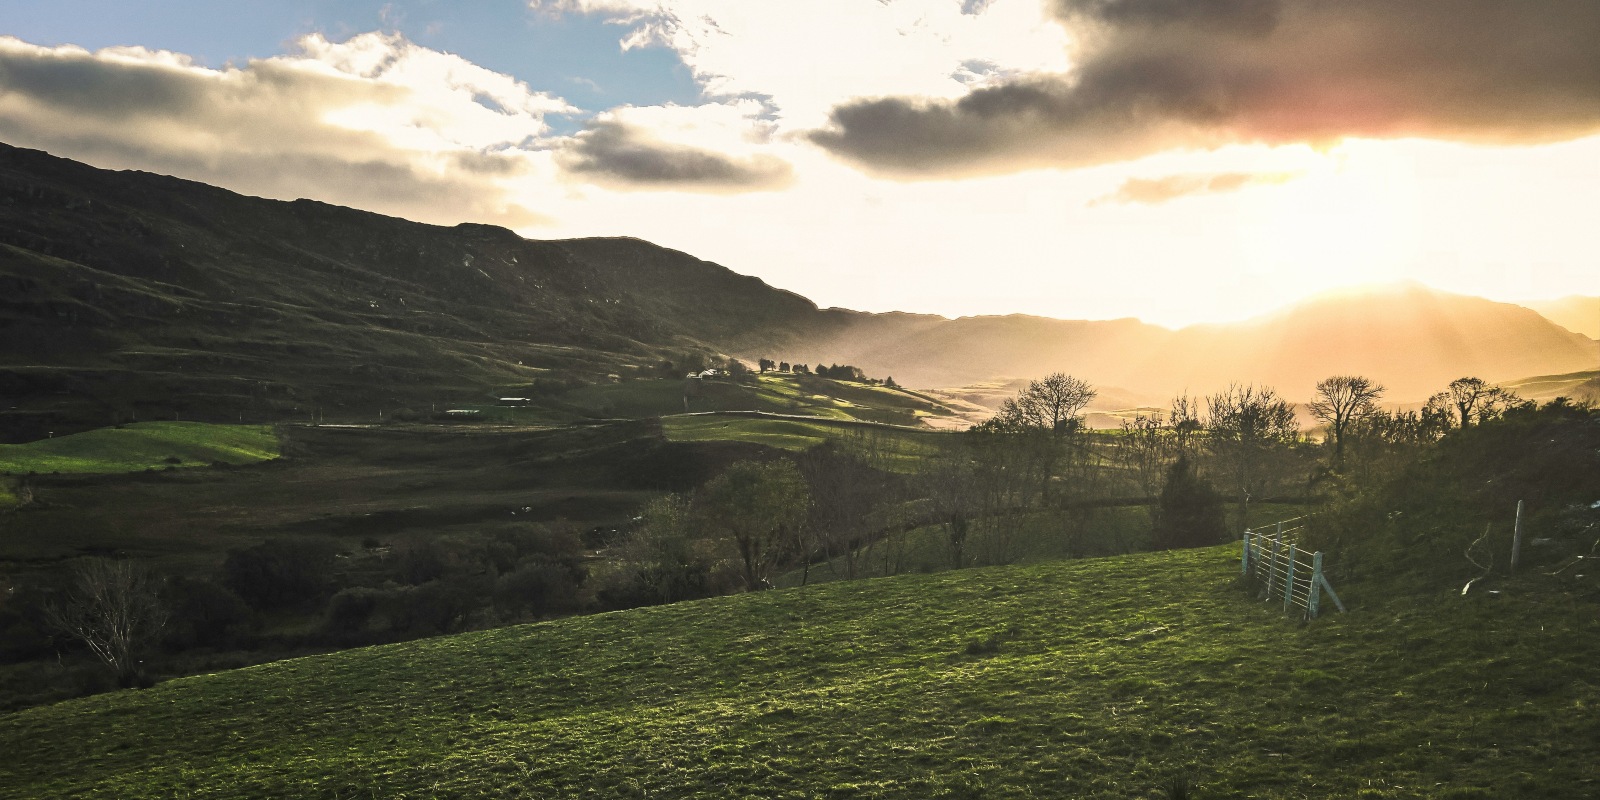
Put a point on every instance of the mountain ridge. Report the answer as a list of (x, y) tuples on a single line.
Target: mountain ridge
[(130, 295)]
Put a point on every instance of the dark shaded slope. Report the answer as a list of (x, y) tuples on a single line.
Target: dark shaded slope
[(129, 295)]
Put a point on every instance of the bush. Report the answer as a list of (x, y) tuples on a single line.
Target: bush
[(280, 573), (205, 614), (1189, 512), (351, 610)]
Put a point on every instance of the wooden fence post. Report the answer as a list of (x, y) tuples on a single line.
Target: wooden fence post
[(1244, 559), (1272, 566), (1288, 580)]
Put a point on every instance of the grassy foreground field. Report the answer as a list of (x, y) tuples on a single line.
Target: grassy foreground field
[(1110, 678), (142, 445)]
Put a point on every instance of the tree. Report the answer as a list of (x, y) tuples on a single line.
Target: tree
[(1184, 420), (1341, 400), (766, 364), (1051, 404), (846, 491), (1145, 448), (1246, 427), (1043, 418), (761, 508), (1473, 400), (1189, 513), (114, 608), (668, 566)]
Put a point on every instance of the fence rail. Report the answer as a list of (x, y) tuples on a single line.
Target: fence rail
[(1275, 561)]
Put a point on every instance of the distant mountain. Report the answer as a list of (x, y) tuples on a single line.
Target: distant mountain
[(1411, 338), (126, 295), (1576, 313)]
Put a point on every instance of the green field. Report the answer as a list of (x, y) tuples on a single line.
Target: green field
[(771, 392), (1109, 678), (140, 446), (896, 449)]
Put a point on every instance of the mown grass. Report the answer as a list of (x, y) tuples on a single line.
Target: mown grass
[(140, 446), (1110, 678)]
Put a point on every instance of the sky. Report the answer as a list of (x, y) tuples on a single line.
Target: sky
[(1179, 161)]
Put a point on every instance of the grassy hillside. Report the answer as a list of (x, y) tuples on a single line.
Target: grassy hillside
[(1577, 386), (142, 445), (1111, 678), (895, 449), (772, 392)]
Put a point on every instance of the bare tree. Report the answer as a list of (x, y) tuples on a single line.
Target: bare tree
[(953, 498), (1246, 427), (1474, 400), (113, 607), (1051, 404), (1341, 400), (1145, 448), (1184, 420)]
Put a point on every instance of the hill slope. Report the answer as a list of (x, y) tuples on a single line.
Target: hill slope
[(1107, 678), (1576, 313), (128, 296)]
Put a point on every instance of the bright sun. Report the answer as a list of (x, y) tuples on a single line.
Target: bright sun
[(1348, 219)]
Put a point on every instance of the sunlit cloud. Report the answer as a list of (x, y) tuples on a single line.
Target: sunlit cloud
[(1154, 75), (1152, 191), (375, 122)]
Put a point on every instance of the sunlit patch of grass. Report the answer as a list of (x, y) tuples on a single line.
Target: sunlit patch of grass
[(141, 446)]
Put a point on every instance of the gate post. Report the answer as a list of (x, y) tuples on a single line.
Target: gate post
[(1288, 580), (1316, 585)]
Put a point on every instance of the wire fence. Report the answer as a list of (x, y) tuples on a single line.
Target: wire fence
[(1274, 561)]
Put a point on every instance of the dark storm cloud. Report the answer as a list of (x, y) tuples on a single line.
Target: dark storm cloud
[(615, 153), (1159, 74)]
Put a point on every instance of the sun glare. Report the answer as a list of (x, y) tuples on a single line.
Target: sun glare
[(1348, 220)]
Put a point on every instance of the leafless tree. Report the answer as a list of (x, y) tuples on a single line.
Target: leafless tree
[(1145, 448), (114, 608), (1184, 421), (1246, 428), (1341, 400), (1050, 404)]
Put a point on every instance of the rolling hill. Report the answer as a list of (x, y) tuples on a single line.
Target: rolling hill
[(1105, 678)]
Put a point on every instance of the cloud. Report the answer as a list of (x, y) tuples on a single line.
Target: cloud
[(375, 122), (625, 156), (1154, 75), (1154, 191), (807, 57)]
